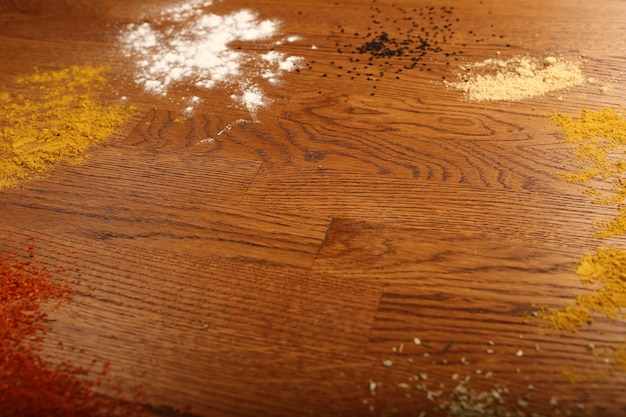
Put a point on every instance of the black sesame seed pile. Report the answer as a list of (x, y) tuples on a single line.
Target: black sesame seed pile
[(413, 42), (398, 40)]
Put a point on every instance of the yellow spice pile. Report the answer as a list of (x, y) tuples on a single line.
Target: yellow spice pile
[(54, 116), (599, 139), (606, 272)]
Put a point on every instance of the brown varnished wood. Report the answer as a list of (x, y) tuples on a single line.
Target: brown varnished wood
[(267, 269)]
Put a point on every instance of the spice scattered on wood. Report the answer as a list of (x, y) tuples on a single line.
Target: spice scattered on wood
[(421, 36), (397, 40), (517, 78), (52, 116), (474, 393), (599, 139), (619, 357), (605, 270), (464, 401), (31, 385)]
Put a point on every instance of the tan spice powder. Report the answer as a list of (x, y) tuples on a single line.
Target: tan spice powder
[(53, 116), (517, 78)]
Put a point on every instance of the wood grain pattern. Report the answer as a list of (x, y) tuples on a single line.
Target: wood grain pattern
[(267, 269)]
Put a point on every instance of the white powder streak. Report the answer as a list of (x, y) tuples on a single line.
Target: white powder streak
[(252, 98), (195, 49), (185, 10)]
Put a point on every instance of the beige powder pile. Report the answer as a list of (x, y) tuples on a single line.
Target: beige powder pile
[(517, 78)]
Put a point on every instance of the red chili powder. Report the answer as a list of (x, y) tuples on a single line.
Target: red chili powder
[(29, 385)]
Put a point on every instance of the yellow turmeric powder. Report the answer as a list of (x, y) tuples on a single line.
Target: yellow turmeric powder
[(599, 138), (570, 318), (619, 357), (615, 227), (53, 116), (606, 269)]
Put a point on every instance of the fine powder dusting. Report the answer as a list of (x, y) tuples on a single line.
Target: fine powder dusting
[(517, 78), (188, 45)]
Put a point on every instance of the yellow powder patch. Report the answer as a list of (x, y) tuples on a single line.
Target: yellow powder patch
[(53, 116), (606, 271), (615, 227), (619, 357), (570, 318), (607, 268), (572, 376), (599, 139)]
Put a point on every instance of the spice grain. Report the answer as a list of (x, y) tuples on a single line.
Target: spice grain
[(397, 39), (605, 270), (517, 78), (599, 140), (30, 384), (52, 116)]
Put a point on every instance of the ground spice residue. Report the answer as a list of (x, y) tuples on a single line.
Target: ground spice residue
[(30, 384), (469, 389), (619, 357), (599, 139), (606, 271), (52, 116), (517, 78)]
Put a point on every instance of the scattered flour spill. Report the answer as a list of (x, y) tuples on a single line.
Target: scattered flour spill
[(517, 78), (186, 44)]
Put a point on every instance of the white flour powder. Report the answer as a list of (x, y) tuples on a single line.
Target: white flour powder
[(188, 45)]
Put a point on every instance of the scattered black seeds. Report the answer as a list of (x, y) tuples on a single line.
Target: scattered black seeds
[(408, 39)]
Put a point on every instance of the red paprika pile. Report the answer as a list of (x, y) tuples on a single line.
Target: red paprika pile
[(30, 385)]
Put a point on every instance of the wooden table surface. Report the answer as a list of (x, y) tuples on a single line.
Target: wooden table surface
[(270, 270)]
